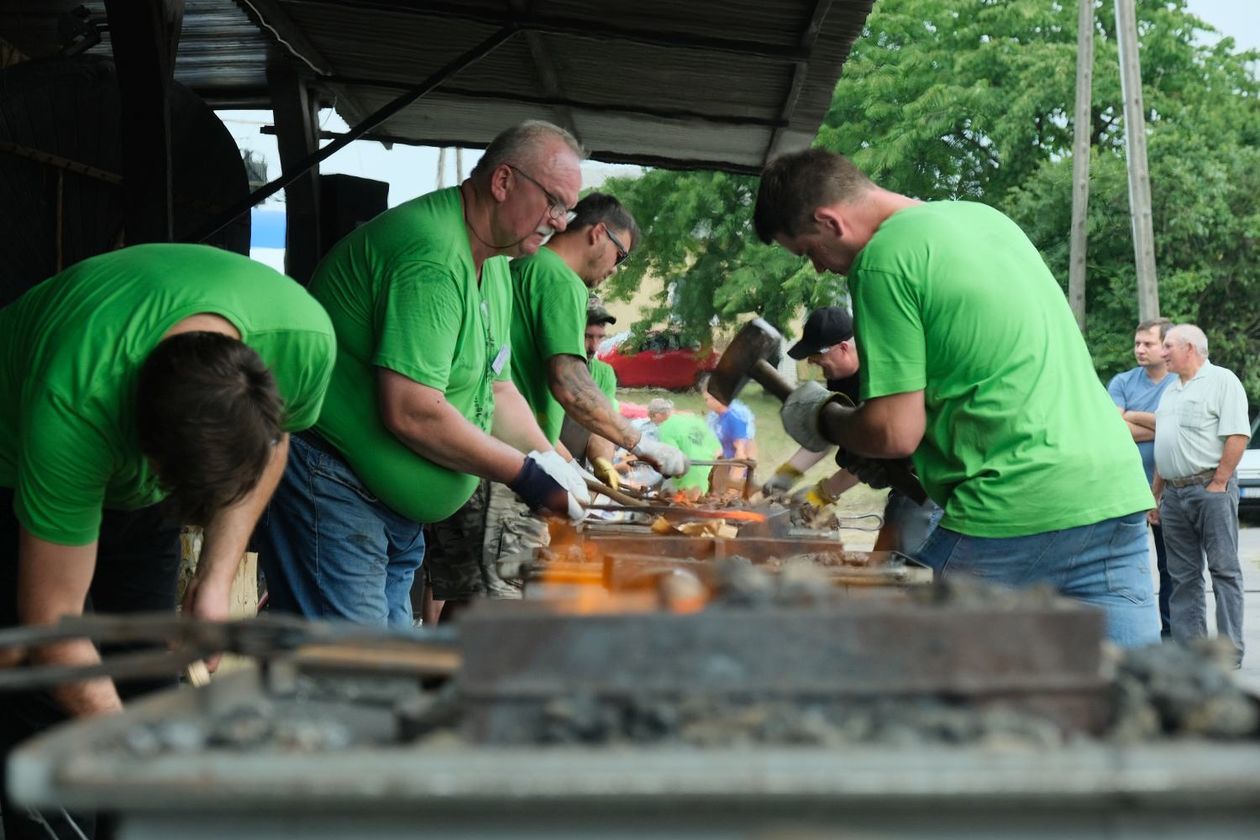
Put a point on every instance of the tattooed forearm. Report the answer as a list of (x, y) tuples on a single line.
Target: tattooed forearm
[(574, 389)]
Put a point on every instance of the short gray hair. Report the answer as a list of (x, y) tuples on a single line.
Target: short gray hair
[(1192, 335), (523, 142), (660, 405)]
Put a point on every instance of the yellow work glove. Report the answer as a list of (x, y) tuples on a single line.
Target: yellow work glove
[(782, 480), (606, 472), (815, 496)]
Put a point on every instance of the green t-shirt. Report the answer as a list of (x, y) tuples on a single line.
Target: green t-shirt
[(403, 294), (71, 350), (606, 380), (548, 319), (691, 434), (1021, 437)]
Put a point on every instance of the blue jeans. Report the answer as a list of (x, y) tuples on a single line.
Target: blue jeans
[(330, 549), (1106, 564)]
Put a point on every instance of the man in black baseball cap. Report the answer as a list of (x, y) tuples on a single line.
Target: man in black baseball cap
[(827, 341), (824, 329)]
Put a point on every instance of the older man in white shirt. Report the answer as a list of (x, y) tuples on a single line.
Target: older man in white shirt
[(1201, 430)]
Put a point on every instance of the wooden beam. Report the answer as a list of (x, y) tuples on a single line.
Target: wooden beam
[(1080, 159), (297, 139), (271, 18), (377, 118), (1135, 151), (145, 36)]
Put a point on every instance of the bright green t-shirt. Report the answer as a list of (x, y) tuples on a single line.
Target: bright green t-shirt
[(403, 294), (606, 380), (548, 319), (691, 434), (1021, 437), (71, 350)]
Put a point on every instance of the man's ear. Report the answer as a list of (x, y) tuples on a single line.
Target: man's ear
[(830, 220), (499, 182)]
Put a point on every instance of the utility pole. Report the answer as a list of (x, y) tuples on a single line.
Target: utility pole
[(459, 164), (441, 173), (1135, 148), (1080, 158)]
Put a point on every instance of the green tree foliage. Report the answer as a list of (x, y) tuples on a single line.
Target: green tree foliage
[(973, 99)]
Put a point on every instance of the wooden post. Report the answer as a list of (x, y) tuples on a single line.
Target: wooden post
[(1080, 158), (1135, 148), (294, 112), (441, 171), (145, 36)]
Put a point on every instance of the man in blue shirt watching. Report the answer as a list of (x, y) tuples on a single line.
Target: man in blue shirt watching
[(735, 427), (1136, 393)]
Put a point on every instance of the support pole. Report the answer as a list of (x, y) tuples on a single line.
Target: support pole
[(1135, 147), (1080, 159), (145, 37), (294, 111)]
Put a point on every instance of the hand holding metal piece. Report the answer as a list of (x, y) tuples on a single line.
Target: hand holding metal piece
[(800, 414), (547, 482), (784, 478), (668, 460), (606, 472)]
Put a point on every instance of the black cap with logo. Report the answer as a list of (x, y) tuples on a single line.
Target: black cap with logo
[(823, 328)]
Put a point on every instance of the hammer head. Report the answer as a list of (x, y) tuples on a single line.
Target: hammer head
[(756, 340)]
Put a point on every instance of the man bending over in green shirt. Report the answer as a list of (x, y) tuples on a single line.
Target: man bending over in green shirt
[(972, 365), (157, 372)]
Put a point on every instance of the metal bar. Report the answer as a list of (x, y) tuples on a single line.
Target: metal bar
[(567, 102), (59, 162), (594, 30), (380, 116), (656, 161), (808, 38)]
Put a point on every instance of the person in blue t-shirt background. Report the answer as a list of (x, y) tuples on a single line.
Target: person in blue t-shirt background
[(736, 429), (1136, 393)]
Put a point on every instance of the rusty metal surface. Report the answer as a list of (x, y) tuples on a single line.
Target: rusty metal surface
[(519, 656)]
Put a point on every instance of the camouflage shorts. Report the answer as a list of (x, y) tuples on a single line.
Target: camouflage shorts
[(464, 548)]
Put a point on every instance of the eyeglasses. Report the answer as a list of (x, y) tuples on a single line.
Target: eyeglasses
[(556, 208), (622, 253)]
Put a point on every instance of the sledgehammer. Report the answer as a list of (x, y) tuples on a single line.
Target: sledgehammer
[(753, 354)]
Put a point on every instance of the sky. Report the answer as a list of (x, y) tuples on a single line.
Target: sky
[(412, 171)]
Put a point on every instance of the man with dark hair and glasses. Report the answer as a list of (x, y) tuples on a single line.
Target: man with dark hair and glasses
[(421, 407), (549, 366)]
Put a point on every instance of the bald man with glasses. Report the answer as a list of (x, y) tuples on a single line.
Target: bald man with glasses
[(421, 407), (550, 291)]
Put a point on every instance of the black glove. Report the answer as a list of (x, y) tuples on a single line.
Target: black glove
[(539, 490), (870, 471)]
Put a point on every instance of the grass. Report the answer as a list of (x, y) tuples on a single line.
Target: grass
[(774, 446)]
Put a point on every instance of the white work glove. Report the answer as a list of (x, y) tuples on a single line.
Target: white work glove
[(547, 482), (800, 415), (668, 460)]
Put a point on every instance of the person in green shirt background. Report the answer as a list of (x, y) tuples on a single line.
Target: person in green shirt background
[(973, 366), (549, 368), (421, 405), (152, 373), (691, 434)]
